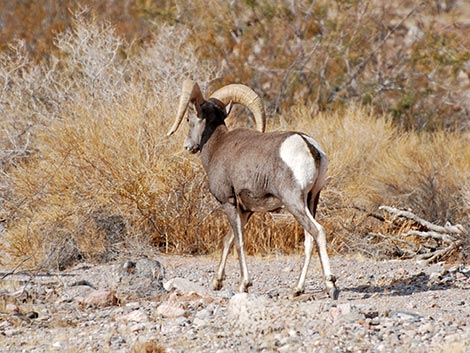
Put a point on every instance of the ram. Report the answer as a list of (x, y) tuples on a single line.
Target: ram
[(252, 171)]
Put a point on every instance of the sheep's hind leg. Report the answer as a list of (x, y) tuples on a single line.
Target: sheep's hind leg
[(314, 229), (330, 280)]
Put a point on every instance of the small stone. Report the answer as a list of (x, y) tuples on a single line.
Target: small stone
[(437, 268), (375, 321), (136, 316), (247, 310), (101, 298), (345, 312), (32, 315), (184, 286), (429, 327), (405, 315), (58, 345), (226, 293), (199, 322), (133, 305), (401, 272), (381, 347), (117, 340), (287, 269), (11, 332), (204, 314), (12, 308), (170, 311), (447, 279), (137, 327)]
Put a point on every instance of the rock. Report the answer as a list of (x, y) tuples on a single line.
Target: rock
[(141, 279), (137, 327), (136, 316), (434, 277), (206, 313), (170, 311), (183, 285), (12, 308), (11, 332), (345, 312), (403, 315), (197, 322), (226, 293), (429, 327), (190, 299), (247, 311), (32, 315), (133, 305), (143, 268), (101, 298), (58, 345), (401, 272)]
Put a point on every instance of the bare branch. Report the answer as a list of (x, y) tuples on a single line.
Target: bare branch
[(430, 234), (455, 229)]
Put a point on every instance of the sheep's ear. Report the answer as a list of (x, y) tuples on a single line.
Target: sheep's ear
[(198, 110), (228, 108)]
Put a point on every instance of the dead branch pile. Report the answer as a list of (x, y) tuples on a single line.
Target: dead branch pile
[(414, 237)]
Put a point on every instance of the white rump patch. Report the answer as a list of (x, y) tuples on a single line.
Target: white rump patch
[(314, 144), (296, 154)]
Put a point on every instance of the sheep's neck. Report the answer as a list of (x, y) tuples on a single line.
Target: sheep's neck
[(210, 145)]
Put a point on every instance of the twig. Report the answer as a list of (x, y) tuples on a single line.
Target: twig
[(430, 234), (398, 240), (368, 214), (12, 272), (455, 229), (440, 253)]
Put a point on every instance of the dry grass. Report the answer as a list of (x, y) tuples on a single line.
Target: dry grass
[(87, 171)]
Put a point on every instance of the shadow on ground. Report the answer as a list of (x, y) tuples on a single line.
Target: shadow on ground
[(420, 282)]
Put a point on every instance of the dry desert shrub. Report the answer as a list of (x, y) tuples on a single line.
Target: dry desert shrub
[(407, 58), (87, 171)]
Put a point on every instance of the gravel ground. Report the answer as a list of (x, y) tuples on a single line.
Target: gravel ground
[(139, 305)]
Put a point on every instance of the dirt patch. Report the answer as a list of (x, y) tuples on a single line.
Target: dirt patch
[(387, 306)]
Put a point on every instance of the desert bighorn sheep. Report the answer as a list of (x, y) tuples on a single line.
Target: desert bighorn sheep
[(251, 171)]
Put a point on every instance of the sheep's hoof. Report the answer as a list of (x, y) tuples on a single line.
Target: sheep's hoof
[(216, 284), (295, 292), (244, 286), (333, 293)]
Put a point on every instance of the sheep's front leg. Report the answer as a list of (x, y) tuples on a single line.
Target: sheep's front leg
[(238, 219), (217, 281)]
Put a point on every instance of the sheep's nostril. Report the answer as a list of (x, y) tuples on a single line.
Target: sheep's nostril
[(192, 149)]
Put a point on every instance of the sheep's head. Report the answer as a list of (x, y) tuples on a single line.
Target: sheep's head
[(214, 110)]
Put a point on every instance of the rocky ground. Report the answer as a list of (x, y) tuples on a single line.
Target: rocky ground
[(164, 305)]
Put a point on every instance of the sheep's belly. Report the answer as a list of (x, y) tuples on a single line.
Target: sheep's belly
[(258, 203)]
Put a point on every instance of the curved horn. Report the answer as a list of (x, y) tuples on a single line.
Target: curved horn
[(244, 95), (190, 93)]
